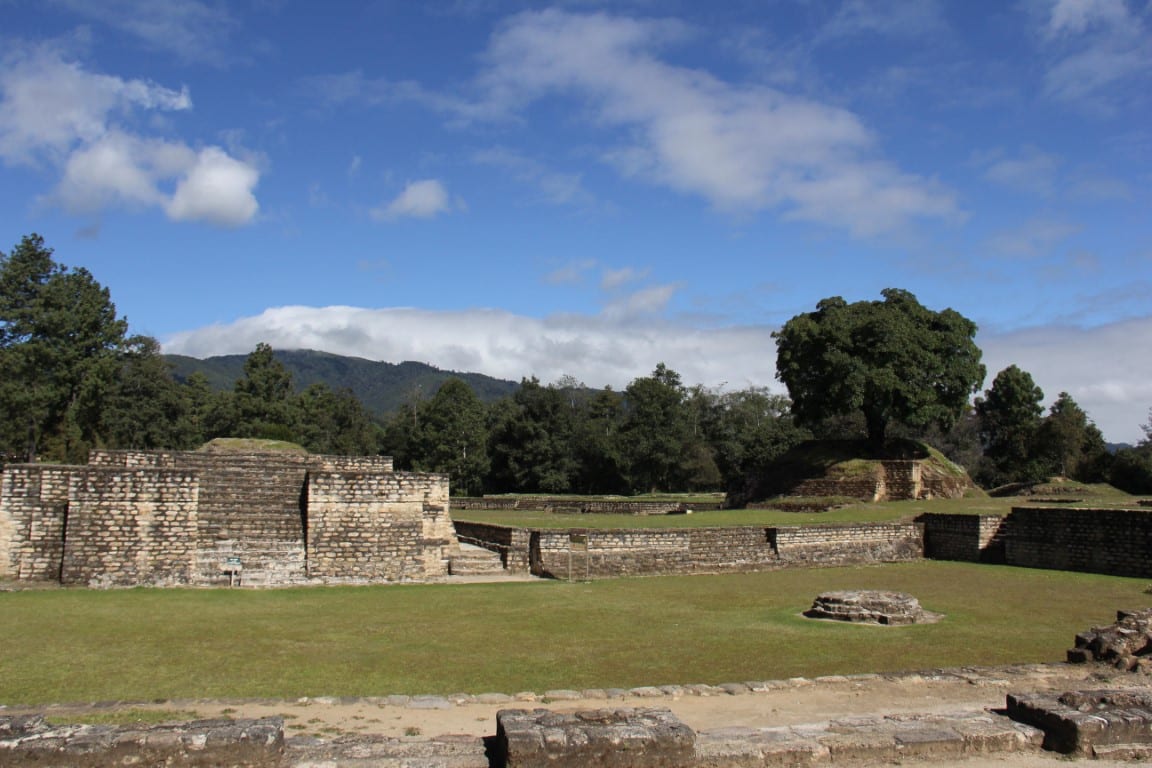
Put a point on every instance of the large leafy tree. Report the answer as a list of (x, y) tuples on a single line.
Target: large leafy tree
[(890, 360), (1070, 444), (452, 437), (655, 430), (334, 422), (599, 458), (144, 406), (1131, 468), (263, 397), (532, 440), (753, 428), (1009, 418), (59, 340)]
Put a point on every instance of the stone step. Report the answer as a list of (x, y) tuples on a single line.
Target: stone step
[(475, 561)]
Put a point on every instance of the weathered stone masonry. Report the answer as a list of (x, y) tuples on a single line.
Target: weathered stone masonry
[(171, 518), (605, 553), (1116, 542)]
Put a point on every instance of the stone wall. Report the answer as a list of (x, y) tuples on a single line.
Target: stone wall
[(849, 544), (599, 553), (968, 538), (32, 520), (165, 517), (889, 480), (129, 527), (1112, 541), (512, 544), (378, 527), (1116, 542)]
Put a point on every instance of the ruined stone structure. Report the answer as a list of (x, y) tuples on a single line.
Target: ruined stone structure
[(889, 480), (869, 606), (606, 553), (1117, 542), (169, 518)]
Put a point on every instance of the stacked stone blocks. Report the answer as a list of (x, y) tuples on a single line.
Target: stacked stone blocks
[(169, 518), (607, 553)]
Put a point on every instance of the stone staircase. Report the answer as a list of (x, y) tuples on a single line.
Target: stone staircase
[(475, 561)]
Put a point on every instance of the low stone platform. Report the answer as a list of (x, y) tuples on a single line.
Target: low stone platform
[(869, 606), (607, 738), (30, 741), (1092, 723), (867, 741)]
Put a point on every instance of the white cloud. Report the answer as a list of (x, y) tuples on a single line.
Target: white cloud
[(571, 273), (1077, 16), (420, 200), (1035, 237), (119, 169), (48, 104), (612, 279), (216, 189), (1101, 52), (555, 187), (189, 29), (742, 147), (1101, 367), (1031, 171), (892, 18), (55, 113)]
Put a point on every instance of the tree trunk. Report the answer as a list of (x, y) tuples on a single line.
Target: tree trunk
[(877, 424)]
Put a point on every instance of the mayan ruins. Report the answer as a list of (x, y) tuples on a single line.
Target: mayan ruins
[(167, 518)]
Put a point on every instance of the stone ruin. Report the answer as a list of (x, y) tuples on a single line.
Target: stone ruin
[(610, 738), (172, 518), (1126, 645), (1104, 723), (869, 606), (1100, 723)]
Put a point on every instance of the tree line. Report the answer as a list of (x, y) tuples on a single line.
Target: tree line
[(74, 379)]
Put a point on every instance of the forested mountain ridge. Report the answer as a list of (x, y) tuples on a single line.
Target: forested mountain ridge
[(381, 387)]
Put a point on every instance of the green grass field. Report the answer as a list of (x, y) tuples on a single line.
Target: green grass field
[(142, 644)]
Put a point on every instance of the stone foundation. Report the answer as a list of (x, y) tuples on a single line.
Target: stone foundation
[(1090, 723), (32, 742), (866, 606), (607, 738)]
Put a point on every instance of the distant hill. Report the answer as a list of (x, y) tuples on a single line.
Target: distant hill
[(382, 387)]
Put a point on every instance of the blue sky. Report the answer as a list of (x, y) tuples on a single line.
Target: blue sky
[(591, 188)]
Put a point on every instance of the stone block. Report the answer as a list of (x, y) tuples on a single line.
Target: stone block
[(1076, 722), (607, 738)]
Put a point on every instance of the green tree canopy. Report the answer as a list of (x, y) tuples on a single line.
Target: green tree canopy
[(889, 360), (263, 397), (59, 339), (655, 430), (452, 437), (1070, 444), (1009, 418)]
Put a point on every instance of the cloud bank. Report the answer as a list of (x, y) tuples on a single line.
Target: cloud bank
[(1102, 368)]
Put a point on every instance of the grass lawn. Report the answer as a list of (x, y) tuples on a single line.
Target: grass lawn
[(141, 644)]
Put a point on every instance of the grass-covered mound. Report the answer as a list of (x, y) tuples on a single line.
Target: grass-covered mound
[(1060, 489), (843, 468), (250, 445)]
